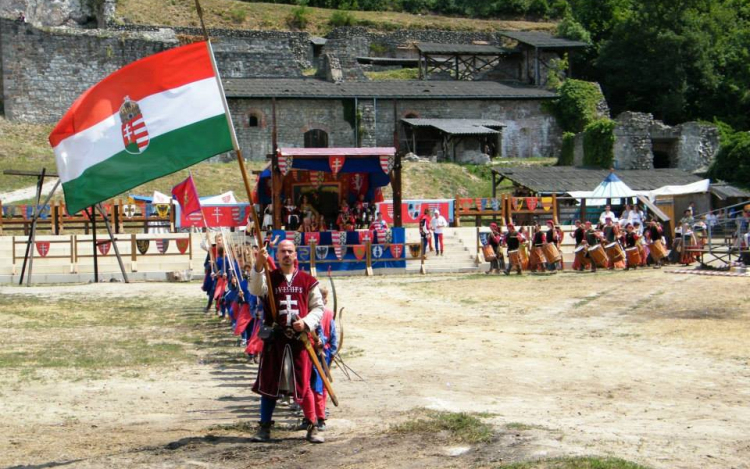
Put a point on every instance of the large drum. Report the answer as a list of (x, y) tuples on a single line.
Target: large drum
[(551, 253), (658, 250), (634, 256), (515, 259), (537, 257), (489, 253), (597, 254), (581, 259), (614, 252)]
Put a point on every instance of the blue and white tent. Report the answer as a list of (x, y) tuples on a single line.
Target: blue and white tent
[(613, 188)]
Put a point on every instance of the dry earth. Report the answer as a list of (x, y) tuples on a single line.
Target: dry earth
[(647, 366)]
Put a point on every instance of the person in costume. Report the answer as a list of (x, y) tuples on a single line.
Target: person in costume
[(494, 239), (329, 344), (513, 240), (653, 234), (591, 238), (380, 227), (553, 237), (631, 241), (424, 231), (285, 365), (611, 233), (537, 262)]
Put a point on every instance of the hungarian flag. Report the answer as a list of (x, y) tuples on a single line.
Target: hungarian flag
[(149, 119), (187, 196)]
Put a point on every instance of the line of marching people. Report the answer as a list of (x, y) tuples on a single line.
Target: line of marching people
[(602, 246), (227, 272)]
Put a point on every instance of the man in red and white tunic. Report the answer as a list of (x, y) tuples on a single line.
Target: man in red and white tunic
[(285, 365)]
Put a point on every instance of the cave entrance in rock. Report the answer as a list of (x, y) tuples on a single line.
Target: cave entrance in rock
[(665, 153)]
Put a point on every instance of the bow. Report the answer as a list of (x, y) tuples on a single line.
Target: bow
[(338, 316)]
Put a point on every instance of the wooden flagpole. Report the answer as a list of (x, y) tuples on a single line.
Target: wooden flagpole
[(256, 221)]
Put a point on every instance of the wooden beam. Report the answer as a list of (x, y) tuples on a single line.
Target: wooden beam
[(16, 172)]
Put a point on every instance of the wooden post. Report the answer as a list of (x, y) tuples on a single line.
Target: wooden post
[(479, 247), (29, 256), (114, 242), (72, 253), (75, 253), (134, 253), (368, 267), (1, 217), (276, 177), (555, 213), (583, 210), (13, 244), (456, 213), (396, 173)]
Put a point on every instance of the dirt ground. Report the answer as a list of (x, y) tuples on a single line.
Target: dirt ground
[(647, 366)]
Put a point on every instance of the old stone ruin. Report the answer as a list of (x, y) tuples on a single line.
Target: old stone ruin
[(477, 95)]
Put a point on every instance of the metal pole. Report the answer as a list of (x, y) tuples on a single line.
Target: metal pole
[(96, 258), (114, 243), (30, 242)]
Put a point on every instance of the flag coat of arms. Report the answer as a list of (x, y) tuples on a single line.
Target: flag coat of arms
[(182, 245), (397, 250), (531, 203), (162, 245), (104, 247), (142, 245), (151, 118), (336, 163), (359, 251)]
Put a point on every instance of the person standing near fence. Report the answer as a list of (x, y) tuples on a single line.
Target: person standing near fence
[(424, 231), (438, 223)]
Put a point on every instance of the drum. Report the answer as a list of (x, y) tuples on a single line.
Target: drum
[(597, 254), (614, 252), (634, 256), (551, 253), (537, 257), (489, 253), (581, 259), (524, 256), (658, 250), (515, 258)]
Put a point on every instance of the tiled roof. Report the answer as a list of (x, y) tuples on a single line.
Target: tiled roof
[(562, 179), (453, 49), (458, 126), (542, 40), (407, 89)]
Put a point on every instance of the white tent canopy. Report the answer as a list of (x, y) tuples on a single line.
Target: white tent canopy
[(612, 187)]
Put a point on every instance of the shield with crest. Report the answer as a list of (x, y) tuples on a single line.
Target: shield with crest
[(365, 236), (414, 209), (377, 251), (415, 249), (312, 238), (104, 246), (42, 247), (134, 132), (397, 250), (182, 245), (285, 164), (162, 245), (303, 253), (495, 204), (321, 252), (517, 203), (531, 203), (388, 237), (547, 203), (142, 245), (336, 163), (386, 163), (359, 251), (129, 210)]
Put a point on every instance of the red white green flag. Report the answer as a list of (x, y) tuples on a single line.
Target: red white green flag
[(149, 119)]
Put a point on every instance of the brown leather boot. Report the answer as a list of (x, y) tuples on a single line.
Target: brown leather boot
[(263, 434), (313, 435)]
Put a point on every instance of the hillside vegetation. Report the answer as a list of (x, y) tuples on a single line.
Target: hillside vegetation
[(24, 146), (231, 14)]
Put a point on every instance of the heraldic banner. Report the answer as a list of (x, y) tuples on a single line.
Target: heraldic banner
[(151, 118)]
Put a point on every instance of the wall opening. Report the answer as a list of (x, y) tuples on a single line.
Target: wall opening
[(316, 138), (253, 121), (665, 155)]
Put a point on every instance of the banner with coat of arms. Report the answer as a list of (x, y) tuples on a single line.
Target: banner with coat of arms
[(386, 163), (397, 250), (285, 164), (311, 238), (336, 163), (531, 203), (321, 252), (517, 203)]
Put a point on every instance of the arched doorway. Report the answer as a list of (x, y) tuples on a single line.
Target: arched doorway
[(316, 138)]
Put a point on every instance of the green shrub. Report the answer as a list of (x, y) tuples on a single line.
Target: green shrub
[(298, 19), (238, 14), (538, 8), (567, 155), (732, 163), (573, 30), (341, 18), (599, 143), (560, 9), (576, 106)]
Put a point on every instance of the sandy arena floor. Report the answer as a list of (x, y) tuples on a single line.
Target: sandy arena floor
[(646, 366)]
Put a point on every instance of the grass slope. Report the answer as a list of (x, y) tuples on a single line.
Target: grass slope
[(232, 14), (24, 146)]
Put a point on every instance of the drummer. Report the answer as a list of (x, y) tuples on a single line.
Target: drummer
[(611, 234), (513, 240), (631, 239), (579, 234), (537, 261), (552, 237), (653, 234), (591, 239)]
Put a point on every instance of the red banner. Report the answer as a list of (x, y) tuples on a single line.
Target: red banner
[(359, 251), (217, 216), (411, 210)]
